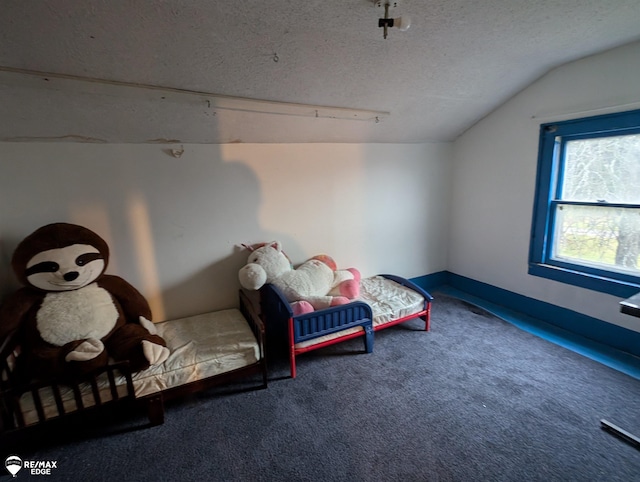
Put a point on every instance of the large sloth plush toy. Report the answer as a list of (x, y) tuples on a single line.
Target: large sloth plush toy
[(73, 318)]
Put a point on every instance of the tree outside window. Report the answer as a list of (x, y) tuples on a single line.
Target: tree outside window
[(586, 219), (604, 172)]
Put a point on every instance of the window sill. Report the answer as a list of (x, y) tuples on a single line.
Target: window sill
[(602, 284)]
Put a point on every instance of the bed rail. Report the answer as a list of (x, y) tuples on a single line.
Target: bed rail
[(17, 390), (83, 400), (425, 314), (283, 326), (252, 316), (331, 320)]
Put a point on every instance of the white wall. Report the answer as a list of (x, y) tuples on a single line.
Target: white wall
[(494, 177), (173, 224)]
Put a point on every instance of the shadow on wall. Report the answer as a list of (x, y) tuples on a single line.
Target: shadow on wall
[(172, 225), (197, 243), (8, 282), (213, 287), (312, 198)]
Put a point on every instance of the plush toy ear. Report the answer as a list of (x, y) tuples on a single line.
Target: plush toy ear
[(276, 245)]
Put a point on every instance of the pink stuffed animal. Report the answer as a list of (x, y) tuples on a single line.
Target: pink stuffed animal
[(314, 285)]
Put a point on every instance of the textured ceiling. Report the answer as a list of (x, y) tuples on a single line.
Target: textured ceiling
[(459, 60)]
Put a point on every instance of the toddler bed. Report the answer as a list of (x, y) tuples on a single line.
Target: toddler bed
[(206, 350), (385, 300)]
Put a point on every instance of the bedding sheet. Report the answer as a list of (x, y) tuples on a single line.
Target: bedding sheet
[(389, 301), (201, 346)]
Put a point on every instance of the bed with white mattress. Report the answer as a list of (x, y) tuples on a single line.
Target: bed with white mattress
[(206, 350), (385, 300)]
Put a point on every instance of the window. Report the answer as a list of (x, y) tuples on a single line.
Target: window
[(586, 217)]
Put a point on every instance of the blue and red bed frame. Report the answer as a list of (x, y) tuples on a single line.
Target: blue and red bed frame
[(281, 325)]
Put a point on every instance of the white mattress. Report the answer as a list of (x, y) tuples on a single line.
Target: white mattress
[(201, 346), (389, 301)]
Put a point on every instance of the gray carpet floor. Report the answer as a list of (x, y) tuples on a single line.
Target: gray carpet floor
[(474, 399)]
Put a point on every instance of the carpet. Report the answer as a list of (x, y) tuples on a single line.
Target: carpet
[(476, 398)]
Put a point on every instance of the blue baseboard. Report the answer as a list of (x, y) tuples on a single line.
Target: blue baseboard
[(431, 281), (609, 344)]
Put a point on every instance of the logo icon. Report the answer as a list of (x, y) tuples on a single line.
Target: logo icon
[(13, 464)]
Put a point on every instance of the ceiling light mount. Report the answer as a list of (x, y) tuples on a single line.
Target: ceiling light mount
[(401, 23)]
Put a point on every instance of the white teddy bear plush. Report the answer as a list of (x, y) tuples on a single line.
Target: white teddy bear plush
[(314, 285)]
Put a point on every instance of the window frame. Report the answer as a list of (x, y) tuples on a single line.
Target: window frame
[(553, 137)]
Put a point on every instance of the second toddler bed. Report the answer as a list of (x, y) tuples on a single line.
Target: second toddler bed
[(206, 350), (385, 300)]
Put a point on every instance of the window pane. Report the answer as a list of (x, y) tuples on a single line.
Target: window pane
[(603, 169), (598, 236)]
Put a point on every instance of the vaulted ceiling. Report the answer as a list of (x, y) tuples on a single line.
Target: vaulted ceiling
[(283, 71)]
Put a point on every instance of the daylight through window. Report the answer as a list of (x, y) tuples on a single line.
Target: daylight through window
[(586, 226)]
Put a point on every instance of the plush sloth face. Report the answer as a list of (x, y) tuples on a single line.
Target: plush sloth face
[(65, 269), (60, 257)]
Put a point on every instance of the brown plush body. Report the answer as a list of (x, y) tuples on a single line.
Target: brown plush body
[(73, 318)]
